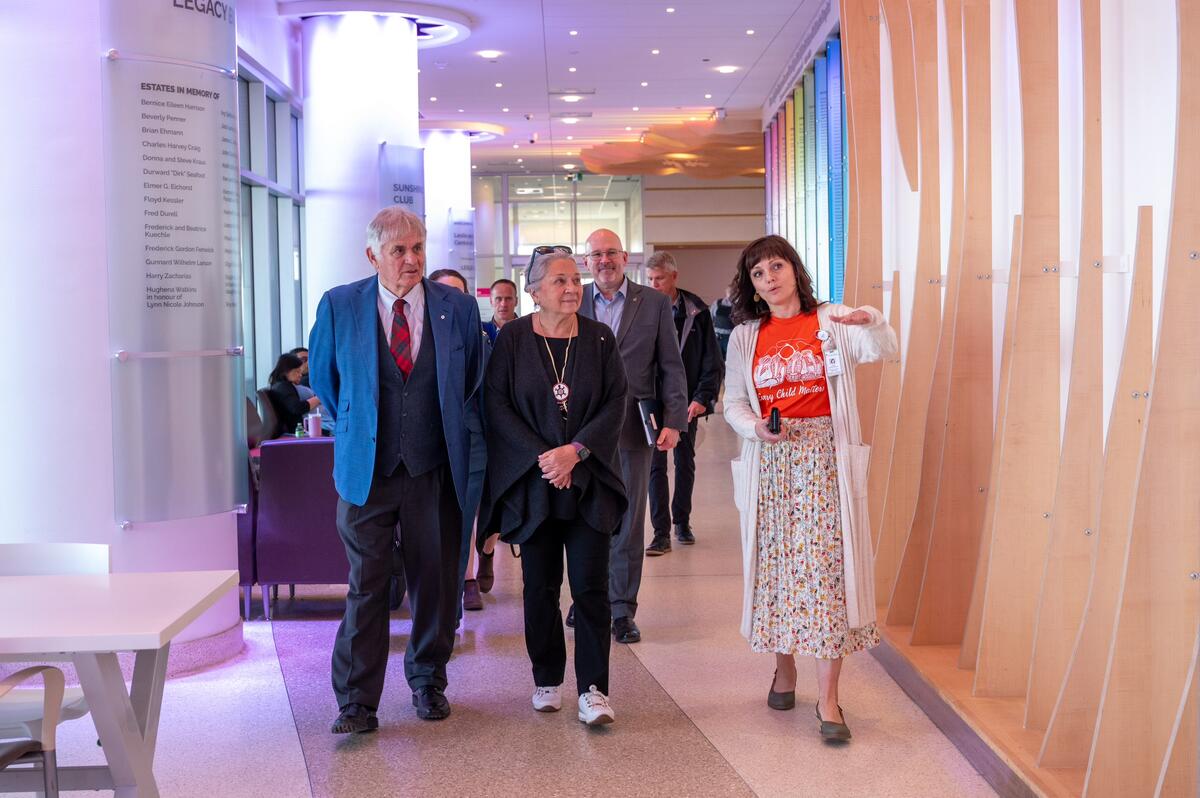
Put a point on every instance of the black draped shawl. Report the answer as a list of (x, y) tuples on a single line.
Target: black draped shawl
[(523, 421)]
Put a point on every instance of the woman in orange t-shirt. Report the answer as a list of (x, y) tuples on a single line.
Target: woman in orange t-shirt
[(804, 571)]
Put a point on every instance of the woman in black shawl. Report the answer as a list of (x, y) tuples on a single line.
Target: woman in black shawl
[(555, 400)]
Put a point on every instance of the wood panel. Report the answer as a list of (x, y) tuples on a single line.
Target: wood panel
[(904, 84), (1030, 440), (907, 588), (974, 621), (950, 566), (884, 433), (864, 255), (1160, 601), (1069, 733), (1069, 555), (1180, 778), (904, 478)]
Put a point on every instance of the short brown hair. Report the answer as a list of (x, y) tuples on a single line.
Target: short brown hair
[(746, 304)]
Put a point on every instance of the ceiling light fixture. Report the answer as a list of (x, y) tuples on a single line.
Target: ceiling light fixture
[(568, 166), (627, 127), (505, 110), (749, 31), (636, 108), (654, 51), (708, 96), (499, 85), (460, 110), (571, 69), (569, 120), (670, 11), (645, 83), (516, 146), (573, 32), (474, 166), (489, 54), (570, 138), (726, 70), (520, 160), (433, 99), (570, 98)]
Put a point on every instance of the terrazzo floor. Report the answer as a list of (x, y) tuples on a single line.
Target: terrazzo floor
[(690, 703)]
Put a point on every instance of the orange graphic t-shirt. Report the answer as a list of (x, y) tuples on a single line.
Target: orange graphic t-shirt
[(789, 367)]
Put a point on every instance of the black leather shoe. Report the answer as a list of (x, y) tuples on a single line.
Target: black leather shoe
[(485, 572), (431, 703), (782, 701), (624, 630), (832, 731), (571, 617), (659, 546), (683, 533), (355, 719)]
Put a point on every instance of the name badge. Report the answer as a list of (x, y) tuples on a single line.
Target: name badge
[(833, 363)]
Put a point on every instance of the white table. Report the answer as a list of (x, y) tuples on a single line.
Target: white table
[(87, 619)]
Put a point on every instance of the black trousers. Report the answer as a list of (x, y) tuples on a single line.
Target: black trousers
[(587, 570), (425, 508), (663, 508)]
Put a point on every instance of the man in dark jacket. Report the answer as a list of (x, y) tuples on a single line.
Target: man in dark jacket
[(705, 368)]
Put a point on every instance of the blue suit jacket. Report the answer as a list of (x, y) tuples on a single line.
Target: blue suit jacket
[(344, 372)]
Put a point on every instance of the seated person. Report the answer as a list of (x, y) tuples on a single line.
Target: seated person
[(289, 407)]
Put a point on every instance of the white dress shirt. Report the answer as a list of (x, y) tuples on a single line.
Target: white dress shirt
[(414, 312)]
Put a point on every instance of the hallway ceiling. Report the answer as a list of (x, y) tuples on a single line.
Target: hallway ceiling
[(611, 53)]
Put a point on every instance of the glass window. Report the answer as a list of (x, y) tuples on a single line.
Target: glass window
[(295, 153), (244, 126), (247, 294), (272, 162)]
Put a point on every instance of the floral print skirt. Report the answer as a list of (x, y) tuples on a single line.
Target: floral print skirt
[(799, 584)]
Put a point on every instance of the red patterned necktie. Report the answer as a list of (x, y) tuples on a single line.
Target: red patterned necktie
[(401, 347)]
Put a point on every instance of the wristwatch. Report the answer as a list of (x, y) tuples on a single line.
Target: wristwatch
[(581, 450)]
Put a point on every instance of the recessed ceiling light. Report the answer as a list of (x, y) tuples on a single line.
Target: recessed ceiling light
[(499, 85), (670, 11), (570, 69), (489, 53), (505, 110), (627, 127), (433, 99), (520, 160), (645, 83), (568, 166), (725, 70), (573, 32), (569, 120), (570, 98), (708, 96), (570, 138), (516, 146), (636, 108), (749, 31), (692, 118), (654, 51), (474, 166), (460, 110)]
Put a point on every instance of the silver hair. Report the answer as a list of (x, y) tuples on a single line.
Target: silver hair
[(392, 222), (664, 261), (537, 268)]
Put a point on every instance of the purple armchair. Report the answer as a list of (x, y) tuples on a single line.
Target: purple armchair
[(296, 534)]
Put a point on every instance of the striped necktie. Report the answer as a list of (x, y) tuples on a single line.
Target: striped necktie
[(401, 346)]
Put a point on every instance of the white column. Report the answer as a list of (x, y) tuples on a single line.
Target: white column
[(56, 473), (447, 185), (360, 89)]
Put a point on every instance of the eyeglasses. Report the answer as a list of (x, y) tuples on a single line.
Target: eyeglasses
[(546, 249), (611, 254)]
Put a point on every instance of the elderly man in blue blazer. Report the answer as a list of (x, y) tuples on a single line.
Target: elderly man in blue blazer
[(396, 360)]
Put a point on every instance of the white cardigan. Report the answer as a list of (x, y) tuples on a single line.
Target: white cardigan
[(858, 344)]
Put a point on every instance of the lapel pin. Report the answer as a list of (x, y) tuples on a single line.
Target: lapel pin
[(442, 317)]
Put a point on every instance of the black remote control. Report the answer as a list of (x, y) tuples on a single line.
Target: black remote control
[(774, 424)]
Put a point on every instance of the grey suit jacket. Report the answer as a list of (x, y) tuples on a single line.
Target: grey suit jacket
[(650, 351)]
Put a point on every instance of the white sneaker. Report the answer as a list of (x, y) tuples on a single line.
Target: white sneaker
[(594, 709), (547, 699)]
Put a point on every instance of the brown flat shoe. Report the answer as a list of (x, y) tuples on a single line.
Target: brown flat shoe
[(471, 598), (780, 701), (485, 573), (832, 731)]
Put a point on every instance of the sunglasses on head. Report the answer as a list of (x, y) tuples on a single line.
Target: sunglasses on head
[(546, 249)]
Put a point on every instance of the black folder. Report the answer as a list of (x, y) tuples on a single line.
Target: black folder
[(651, 411)]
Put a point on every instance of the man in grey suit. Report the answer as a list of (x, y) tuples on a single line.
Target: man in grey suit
[(642, 320)]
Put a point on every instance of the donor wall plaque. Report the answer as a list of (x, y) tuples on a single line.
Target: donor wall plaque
[(172, 189)]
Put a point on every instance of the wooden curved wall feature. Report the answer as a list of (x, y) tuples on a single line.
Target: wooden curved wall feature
[(884, 433), (1030, 440), (1070, 553), (905, 475), (1069, 733), (973, 624), (907, 588), (904, 84), (1160, 601), (864, 242), (1180, 778), (950, 566)]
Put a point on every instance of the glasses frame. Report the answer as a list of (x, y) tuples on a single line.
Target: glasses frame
[(546, 249), (611, 253)]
